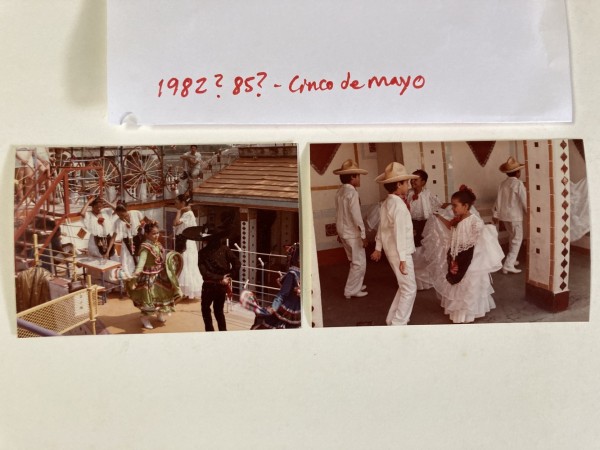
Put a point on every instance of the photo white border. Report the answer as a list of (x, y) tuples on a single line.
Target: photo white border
[(529, 385)]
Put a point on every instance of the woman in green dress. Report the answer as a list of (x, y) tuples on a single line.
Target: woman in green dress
[(154, 287)]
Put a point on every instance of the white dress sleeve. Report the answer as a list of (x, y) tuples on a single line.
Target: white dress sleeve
[(487, 255), (187, 220)]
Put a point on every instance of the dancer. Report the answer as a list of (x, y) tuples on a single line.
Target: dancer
[(190, 279), (422, 203), (395, 237), (285, 312), (434, 253), (129, 228), (99, 223), (350, 227), (218, 264), (154, 287), (510, 208), (465, 289)]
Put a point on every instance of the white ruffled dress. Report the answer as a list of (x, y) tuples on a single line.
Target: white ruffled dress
[(190, 280), (471, 298), (127, 230)]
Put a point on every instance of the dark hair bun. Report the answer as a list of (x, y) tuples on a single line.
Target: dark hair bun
[(148, 226), (465, 195)]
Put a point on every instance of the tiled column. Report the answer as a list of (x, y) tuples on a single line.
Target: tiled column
[(549, 210), (248, 244)]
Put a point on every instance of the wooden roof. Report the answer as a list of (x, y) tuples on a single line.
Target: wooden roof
[(264, 183)]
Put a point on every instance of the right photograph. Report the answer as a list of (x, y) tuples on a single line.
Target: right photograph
[(457, 232)]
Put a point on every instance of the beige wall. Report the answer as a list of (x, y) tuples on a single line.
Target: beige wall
[(325, 186)]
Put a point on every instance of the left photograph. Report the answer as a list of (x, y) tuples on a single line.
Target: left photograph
[(156, 239)]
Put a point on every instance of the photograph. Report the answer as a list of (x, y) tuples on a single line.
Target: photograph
[(156, 239), (424, 233)]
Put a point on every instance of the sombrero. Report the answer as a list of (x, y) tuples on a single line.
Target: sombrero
[(395, 172), (349, 167), (511, 165)]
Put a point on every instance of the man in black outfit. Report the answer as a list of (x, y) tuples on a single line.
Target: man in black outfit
[(217, 264)]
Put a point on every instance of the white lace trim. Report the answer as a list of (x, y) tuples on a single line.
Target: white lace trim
[(464, 235)]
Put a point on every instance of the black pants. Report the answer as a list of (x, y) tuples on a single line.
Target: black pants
[(418, 227), (213, 294)]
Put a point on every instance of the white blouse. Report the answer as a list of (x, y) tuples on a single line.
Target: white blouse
[(188, 219), (123, 230), (101, 225), (465, 234)]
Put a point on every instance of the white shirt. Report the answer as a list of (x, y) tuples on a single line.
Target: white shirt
[(189, 165), (395, 233), (349, 221), (121, 228), (188, 219), (424, 205), (93, 226), (511, 202)]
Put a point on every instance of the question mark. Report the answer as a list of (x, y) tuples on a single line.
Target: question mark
[(219, 78), (262, 76)]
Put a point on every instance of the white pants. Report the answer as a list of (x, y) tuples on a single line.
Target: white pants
[(515, 238), (194, 171), (399, 313), (358, 265)]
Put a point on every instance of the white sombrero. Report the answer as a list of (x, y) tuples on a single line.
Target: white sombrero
[(395, 172), (349, 167), (511, 165)]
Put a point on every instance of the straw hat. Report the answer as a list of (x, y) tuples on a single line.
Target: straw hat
[(511, 165), (349, 167), (395, 172)]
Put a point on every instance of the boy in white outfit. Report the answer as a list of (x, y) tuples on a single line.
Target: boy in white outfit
[(422, 204), (395, 237), (511, 204), (350, 227)]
